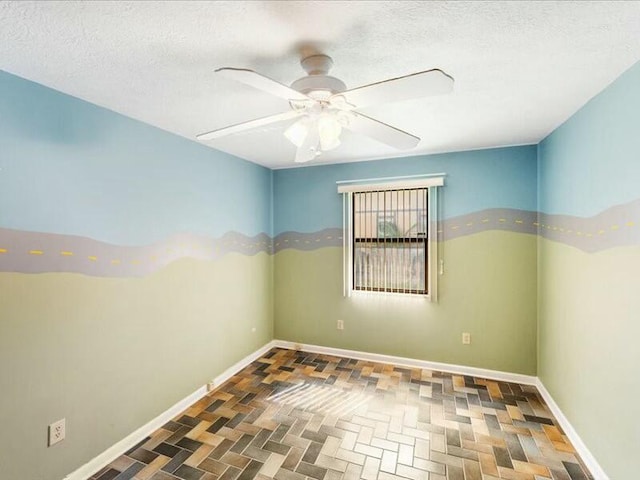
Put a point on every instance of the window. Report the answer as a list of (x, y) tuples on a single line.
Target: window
[(390, 241), (390, 236)]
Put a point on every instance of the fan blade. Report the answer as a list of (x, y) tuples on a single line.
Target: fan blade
[(382, 132), (255, 80), (251, 124), (416, 85)]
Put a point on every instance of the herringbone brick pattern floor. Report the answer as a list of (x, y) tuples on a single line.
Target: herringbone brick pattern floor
[(295, 416)]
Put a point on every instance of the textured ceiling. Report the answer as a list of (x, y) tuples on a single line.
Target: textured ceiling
[(521, 68)]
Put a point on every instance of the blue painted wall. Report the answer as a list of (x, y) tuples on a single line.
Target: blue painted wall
[(306, 199), (588, 163), (71, 167)]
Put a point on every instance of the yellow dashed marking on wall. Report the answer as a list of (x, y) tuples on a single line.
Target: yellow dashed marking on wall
[(93, 258), (455, 227), (579, 234), (470, 224), (3, 250), (630, 224), (614, 227), (485, 220), (66, 254), (589, 234), (502, 220), (536, 224), (600, 232), (519, 221), (329, 237), (135, 262), (36, 252), (115, 262)]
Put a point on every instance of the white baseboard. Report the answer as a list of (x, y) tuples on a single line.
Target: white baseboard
[(113, 452), (236, 367), (589, 460), (411, 362)]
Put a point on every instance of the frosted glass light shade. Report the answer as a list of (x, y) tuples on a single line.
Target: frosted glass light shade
[(297, 132), (329, 130)]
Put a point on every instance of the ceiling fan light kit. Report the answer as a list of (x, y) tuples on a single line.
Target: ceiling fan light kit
[(328, 124), (323, 107)]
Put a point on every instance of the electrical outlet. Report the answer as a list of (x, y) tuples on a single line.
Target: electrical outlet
[(466, 338), (340, 325), (57, 431)]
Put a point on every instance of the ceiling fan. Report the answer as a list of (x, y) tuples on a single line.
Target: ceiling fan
[(323, 106)]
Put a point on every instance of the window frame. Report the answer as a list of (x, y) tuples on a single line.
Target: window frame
[(434, 265), (374, 241)]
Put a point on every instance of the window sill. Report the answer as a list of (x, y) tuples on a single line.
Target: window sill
[(396, 295)]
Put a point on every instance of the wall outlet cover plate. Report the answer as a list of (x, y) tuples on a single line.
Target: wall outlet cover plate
[(57, 432)]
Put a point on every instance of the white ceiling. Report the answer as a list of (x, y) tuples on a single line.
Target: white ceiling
[(521, 68)]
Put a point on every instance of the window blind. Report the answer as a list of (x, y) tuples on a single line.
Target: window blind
[(390, 241)]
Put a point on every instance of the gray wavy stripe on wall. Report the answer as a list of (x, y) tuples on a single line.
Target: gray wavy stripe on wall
[(329, 237), (36, 252), (493, 219), (509, 219), (617, 226), (614, 227)]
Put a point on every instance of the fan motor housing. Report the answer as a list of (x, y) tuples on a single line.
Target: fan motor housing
[(319, 83)]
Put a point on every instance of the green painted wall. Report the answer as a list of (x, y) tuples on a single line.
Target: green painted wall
[(589, 359), (110, 354), (488, 289)]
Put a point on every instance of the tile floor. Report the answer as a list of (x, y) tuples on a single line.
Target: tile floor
[(295, 416)]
